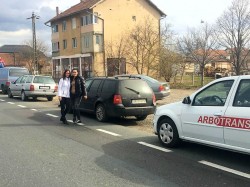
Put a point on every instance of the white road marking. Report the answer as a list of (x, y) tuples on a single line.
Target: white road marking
[(21, 106), (11, 103), (107, 132), (34, 109), (155, 147), (2, 100), (242, 174), (54, 116)]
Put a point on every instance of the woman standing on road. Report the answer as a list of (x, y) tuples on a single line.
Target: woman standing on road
[(64, 95), (77, 93)]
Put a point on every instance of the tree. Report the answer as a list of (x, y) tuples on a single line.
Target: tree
[(233, 31), (198, 46)]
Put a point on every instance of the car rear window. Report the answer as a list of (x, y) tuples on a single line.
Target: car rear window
[(18, 72), (134, 85), (43, 80)]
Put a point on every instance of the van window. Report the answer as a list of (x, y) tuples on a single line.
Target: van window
[(18, 72), (43, 80)]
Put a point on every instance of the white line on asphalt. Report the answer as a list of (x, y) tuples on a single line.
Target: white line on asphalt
[(107, 132), (155, 147), (34, 109), (11, 103), (2, 100), (21, 106), (242, 174), (54, 116)]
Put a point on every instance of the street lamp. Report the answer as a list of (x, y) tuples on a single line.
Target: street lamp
[(34, 17)]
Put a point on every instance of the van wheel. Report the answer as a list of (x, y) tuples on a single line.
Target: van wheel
[(50, 98), (3, 90), (10, 94), (100, 113), (168, 133), (140, 118), (23, 96)]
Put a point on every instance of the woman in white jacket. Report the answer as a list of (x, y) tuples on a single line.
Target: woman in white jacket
[(64, 95)]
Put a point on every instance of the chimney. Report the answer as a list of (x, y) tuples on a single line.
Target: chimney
[(57, 11)]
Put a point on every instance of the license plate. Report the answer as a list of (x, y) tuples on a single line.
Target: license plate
[(44, 87), (139, 101)]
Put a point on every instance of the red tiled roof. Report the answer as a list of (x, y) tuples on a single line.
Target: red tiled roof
[(86, 4)]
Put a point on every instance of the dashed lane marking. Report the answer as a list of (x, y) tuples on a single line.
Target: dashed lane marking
[(11, 103), (155, 147), (239, 173), (108, 132), (21, 106), (2, 100), (34, 109), (51, 115)]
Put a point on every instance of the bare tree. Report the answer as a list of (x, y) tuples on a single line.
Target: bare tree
[(198, 45), (233, 29)]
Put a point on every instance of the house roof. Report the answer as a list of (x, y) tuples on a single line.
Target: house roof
[(88, 4), (14, 48)]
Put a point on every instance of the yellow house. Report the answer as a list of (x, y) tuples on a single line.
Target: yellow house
[(79, 33)]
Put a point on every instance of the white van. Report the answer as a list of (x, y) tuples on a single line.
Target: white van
[(10, 74)]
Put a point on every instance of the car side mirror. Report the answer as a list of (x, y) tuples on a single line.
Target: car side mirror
[(13, 82), (186, 100)]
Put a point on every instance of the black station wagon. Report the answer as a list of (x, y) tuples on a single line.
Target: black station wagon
[(118, 97)]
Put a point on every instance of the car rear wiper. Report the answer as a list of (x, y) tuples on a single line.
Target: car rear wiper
[(133, 90)]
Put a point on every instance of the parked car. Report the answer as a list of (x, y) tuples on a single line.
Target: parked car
[(9, 74), (116, 97), (160, 89), (216, 115), (33, 86)]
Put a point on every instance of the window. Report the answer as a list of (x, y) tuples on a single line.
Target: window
[(29, 79), (54, 28), (64, 26), (97, 39), (18, 72), (86, 40), (88, 19), (214, 95), (55, 47), (43, 80), (107, 85), (95, 85), (242, 97), (23, 79), (73, 21), (74, 43), (64, 44), (18, 80)]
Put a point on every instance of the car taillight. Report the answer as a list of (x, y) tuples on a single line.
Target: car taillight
[(154, 99), (8, 83), (56, 88), (117, 99), (32, 87), (161, 88)]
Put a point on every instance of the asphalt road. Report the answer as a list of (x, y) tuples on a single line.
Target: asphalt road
[(36, 149)]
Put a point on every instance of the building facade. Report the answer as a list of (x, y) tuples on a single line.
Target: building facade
[(79, 33)]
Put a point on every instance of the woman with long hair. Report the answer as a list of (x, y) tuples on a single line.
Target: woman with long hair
[(77, 93), (64, 95)]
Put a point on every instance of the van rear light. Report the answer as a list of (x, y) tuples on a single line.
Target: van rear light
[(32, 88), (8, 83), (117, 99), (162, 88), (154, 99), (56, 88)]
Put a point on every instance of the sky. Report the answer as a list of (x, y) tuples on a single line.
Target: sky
[(16, 29)]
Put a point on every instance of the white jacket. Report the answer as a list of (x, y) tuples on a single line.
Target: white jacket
[(64, 88)]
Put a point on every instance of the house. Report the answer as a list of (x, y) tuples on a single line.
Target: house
[(80, 33)]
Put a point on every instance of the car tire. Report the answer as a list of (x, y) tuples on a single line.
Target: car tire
[(34, 98), (168, 133), (23, 96), (100, 113), (10, 94), (50, 98), (140, 118), (4, 91)]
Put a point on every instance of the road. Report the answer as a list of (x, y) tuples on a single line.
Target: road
[(38, 150)]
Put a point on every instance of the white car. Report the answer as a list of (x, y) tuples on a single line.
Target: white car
[(218, 115)]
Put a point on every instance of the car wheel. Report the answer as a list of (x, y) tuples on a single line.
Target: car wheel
[(3, 90), (50, 98), (100, 113), (23, 96), (10, 94), (34, 98), (140, 118), (168, 133)]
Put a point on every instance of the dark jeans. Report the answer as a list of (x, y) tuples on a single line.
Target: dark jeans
[(75, 103), (65, 104)]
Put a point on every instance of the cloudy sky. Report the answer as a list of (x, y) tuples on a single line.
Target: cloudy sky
[(16, 29)]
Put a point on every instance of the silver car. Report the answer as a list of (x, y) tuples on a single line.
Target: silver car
[(33, 86)]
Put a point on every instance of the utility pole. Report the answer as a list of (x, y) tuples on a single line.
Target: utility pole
[(35, 62)]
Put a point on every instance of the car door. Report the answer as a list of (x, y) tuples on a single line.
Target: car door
[(237, 117), (22, 85), (200, 120), (15, 86)]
